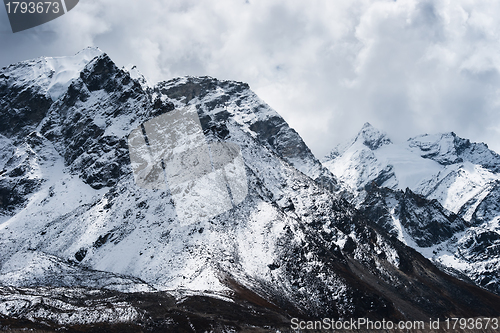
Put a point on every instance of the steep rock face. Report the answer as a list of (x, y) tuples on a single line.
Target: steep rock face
[(219, 101), (28, 88), (20, 173), (293, 244), (28, 107), (405, 214), (488, 208), (469, 250), (79, 122), (479, 250)]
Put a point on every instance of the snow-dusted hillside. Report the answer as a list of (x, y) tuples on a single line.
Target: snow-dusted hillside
[(461, 176), (73, 216)]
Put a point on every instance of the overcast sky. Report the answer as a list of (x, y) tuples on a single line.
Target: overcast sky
[(408, 67)]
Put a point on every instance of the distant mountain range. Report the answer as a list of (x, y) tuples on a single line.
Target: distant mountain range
[(438, 194), (85, 248)]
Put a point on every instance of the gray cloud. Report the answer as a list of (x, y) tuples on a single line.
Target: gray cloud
[(408, 67)]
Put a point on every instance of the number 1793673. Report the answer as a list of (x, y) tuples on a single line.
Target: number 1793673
[(32, 7)]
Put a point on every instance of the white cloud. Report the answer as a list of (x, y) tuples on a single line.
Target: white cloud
[(408, 67)]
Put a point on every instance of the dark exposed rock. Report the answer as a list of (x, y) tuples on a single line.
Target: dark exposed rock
[(482, 245), (427, 222), (21, 109), (80, 255), (197, 87), (489, 207), (157, 312), (102, 240), (160, 107)]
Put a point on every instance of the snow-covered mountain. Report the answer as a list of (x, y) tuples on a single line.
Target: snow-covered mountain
[(443, 197), (72, 216)]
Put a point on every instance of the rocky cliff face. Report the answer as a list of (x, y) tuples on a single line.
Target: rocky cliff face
[(411, 217), (73, 217)]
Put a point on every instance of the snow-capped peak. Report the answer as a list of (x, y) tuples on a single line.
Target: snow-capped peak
[(137, 75), (372, 137), (52, 75), (439, 147), (66, 69), (368, 136), (448, 148), (89, 52)]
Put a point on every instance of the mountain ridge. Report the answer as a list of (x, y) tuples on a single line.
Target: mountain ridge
[(69, 200), (458, 175)]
